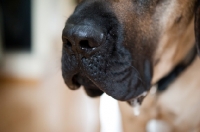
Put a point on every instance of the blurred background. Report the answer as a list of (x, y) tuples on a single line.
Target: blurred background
[(33, 96)]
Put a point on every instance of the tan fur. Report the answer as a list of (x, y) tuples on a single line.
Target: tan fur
[(179, 106), (132, 123), (182, 100), (172, 23), (177, 26)]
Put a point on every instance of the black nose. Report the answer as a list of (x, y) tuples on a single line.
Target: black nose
[(82, 39)]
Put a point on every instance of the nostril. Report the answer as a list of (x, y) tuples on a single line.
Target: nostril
[(82, 38), (84, 44)]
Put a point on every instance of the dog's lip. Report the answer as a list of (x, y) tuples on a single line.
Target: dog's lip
[(77, 81), (130, 92), (133, 101)]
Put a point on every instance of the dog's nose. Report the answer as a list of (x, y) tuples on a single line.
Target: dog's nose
[(82, 39)]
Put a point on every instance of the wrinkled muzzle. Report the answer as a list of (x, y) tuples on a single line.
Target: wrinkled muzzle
[(94, 54)]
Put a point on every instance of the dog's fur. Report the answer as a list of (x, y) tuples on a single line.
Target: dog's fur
[(155, 36)]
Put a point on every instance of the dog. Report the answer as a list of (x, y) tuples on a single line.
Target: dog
[(123, 47)]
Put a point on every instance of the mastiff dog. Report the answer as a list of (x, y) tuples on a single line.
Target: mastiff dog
[(123, 47)]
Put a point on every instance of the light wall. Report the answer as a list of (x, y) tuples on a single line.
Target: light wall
[(48, 18)]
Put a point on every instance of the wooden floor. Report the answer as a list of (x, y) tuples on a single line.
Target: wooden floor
[(46, 106)]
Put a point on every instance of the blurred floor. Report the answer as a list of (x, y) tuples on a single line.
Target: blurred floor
[(47, 106)]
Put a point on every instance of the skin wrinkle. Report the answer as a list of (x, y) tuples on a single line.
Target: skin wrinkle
[(140, 26), (126, 10)]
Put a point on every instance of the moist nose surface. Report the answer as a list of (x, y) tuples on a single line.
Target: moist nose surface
[(83, 39)]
